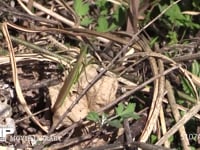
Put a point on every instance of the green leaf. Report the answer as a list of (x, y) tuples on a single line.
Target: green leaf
[(85, 21), (103, 6), (182, 113), (187, 87), (133, 115), (129, 112), (180, 101), (153, 139), (81, 8), (174, 14), (119, 109), (101, 3), (115, 123), (192, 147), (171, 139), (93, 116), (196, 4), (195, 68), (173, 37), (129, 109), (102, 24), (187, 21), (176, 17), (119, 16), (112, 27), (153, 41), (104, 12)]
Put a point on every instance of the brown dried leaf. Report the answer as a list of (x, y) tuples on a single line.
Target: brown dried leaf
[(102, 93), (77, 113)]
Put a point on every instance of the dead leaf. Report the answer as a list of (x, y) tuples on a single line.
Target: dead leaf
[(102, 93), (78, 112)]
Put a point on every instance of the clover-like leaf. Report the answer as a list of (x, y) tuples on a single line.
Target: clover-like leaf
[(187, 87), (93, 116), (129, 111), (85, 21), (81, 8), (195, 68), (115, 123), (102, 24), (120, 108)]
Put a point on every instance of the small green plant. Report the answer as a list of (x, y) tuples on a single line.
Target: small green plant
[(173, 37), (116, 19), (81, 8), (187, 87), (174, 19), (106, 21), (153, 138), (122, 112), (174, 23)]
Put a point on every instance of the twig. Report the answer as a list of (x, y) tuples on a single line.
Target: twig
[(5, 8), (25, 8), (61, 59), (51, 13), (182, 108), (15, 77), (118, 146), (151, 122), (152, 113), (194, 110), (176, 114), (34, 114), (163, 126), (139, 87), (70, 142), (187, 57), (127, 130)]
